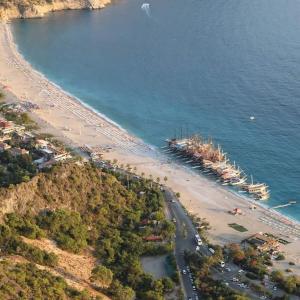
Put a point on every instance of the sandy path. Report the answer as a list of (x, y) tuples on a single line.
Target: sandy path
[(78, 125)]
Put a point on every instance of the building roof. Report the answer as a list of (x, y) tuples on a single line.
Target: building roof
[(153, 238), (261, 240), (18, 151)]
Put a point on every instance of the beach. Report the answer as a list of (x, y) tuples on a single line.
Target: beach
[(78, 125)]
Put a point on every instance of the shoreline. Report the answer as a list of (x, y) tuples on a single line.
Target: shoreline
[(86, 126)]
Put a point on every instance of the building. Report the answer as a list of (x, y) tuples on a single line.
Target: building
[(47, 153), (27, 137), (5, 138), (18, 151), (41, 144), (153, 238), (19, 129), (263, 243), (7, 130), (62, 156), (4, 147), (5, 124)]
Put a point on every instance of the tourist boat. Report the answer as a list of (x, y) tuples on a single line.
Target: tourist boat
[(258, 190), (212, 160)]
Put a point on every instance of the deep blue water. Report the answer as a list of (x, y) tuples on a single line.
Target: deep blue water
[(203, 64)]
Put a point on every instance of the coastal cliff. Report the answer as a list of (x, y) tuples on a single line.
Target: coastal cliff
[(14, 9)]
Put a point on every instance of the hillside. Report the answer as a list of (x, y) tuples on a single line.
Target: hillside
[(12, 9), (21, 280), (90, 227), (70, 186)]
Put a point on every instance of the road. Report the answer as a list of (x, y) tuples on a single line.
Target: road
[(184, 241)]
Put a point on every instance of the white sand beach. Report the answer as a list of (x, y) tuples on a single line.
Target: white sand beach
[(77, 125)]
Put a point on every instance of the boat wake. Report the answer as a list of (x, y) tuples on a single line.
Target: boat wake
[(146, 8)]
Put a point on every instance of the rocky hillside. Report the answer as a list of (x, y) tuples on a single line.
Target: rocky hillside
[(69, 186), (77, 215), (12, 9)]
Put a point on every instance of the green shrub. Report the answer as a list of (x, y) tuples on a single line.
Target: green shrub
[(280, 257), (11, 243), (102, 276), (66, 227), (26, 281), (24, 226)]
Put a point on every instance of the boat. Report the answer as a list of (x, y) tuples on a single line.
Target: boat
[(213, 161), (258, 190)]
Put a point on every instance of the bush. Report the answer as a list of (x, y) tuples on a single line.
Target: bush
[(280, 257), (102, 276), (66, 227), (24, 226), (10, 243), (119, 292), (168, 284), (157, 249), (26, 281)]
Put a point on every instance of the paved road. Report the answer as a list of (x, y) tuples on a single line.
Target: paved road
[(185, 233), (185, 241)]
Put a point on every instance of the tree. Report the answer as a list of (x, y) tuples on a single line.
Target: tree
[(159, 216), (236, 253), (168, 284), (120, 292), (277, 276), (280, 256), (151, 179), (168, 228), (165, 179), (152, 295), (66, 227), (102, 276), (291, 284)]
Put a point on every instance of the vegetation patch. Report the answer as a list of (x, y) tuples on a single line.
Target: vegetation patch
[(210, 288), (238, 227), (119, 216), (11, 243), (26, 281)]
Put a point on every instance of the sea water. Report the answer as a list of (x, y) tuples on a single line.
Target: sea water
[(200, 66)]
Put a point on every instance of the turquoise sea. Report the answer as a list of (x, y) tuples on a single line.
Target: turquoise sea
[(205, 65)]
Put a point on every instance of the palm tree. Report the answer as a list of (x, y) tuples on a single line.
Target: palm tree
[(142, 174), (165, 179), (151, 180), (134, 169), (157, 179)]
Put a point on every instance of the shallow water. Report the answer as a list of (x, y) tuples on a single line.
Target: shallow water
[(203, 66)]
